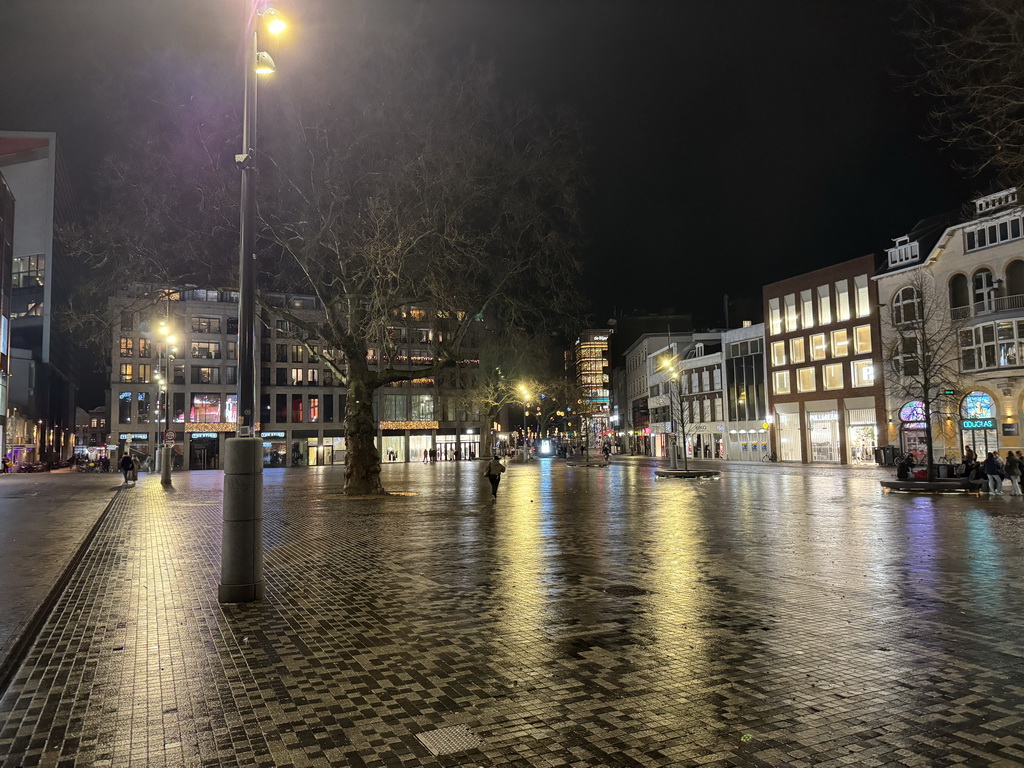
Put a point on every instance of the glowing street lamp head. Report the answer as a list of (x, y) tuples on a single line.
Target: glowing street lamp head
[(264, 64), (275, 23)]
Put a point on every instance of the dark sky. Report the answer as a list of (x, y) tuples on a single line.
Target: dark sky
[(733, 144)]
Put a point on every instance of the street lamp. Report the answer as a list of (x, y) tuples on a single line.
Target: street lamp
[(526, 398), (668, 364), (164, 375), (242, 536)]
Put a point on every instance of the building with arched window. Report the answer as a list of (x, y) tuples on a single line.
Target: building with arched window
[(960, 284)]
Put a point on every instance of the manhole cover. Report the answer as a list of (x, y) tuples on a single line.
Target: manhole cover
[(448, 741), (625, 590)]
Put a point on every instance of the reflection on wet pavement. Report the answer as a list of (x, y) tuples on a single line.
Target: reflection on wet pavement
[(778, 616)]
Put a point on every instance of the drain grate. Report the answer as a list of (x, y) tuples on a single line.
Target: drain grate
[(448, 741)]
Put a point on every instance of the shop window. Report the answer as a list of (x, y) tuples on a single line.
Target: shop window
[(421, 408), (231, 409), (806, 379), (977, 405), (205, 408), (840, 343), (832, 376)]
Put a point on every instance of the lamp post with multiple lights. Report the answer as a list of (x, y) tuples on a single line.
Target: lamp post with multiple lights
[(242, 534), (526, 404)]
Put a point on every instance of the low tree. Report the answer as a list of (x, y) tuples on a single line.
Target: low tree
[(922, 352)]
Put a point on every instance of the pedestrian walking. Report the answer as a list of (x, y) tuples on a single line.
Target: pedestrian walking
[(1013, 473), (126, 466), (136, 465), (995, 480), (493, 472), (425, 455)]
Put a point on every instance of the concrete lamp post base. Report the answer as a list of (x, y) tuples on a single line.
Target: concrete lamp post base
[(242, 537)]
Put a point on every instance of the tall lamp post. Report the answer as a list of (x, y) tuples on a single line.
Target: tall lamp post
[(526, 398), (164, 376), (242, 534), (669, 365)]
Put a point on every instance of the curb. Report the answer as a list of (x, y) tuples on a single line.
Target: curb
[(11, 663)]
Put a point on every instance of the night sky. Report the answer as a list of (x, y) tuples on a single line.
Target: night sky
[(731, 144)]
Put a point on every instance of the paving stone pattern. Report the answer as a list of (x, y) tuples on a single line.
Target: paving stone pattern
[(588, 618)]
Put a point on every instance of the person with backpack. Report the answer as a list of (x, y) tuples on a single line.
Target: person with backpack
[(492, 471)]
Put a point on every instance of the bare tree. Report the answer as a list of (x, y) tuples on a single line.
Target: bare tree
[(922, 351), (971, 54)]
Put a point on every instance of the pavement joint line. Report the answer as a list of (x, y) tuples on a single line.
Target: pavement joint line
[(11, 662)]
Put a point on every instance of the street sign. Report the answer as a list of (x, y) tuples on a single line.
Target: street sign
[(169, 435)]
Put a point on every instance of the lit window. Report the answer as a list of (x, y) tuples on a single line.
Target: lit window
[(863, 373), (807, 309), (824, 306), (126, 346), (818, 346), (840, 343), (860, 283), (791, 323), (781, 382), (842, 300), (126, 372), (862, 340), (296, 376), (806, 380), (774, 319), (832, 376), (796, 350)]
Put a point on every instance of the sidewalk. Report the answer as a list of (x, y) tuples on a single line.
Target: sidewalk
[(584, 620)]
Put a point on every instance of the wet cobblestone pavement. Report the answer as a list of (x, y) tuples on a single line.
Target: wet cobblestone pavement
[(589, 617)]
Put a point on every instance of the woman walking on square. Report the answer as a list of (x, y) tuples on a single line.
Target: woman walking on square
[(492, 471), (991, 467)]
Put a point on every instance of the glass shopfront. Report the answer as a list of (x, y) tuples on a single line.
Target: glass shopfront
[(862, 435), (204, 450), (790, 443), (912, 431), (978, 423), (274, 449), (824, 429)]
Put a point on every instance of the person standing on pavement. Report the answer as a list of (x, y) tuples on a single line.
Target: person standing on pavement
[(1013, 473), (493, 472), (995, 481), (126, 465)]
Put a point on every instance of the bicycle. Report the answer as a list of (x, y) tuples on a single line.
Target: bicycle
[(772, 457)]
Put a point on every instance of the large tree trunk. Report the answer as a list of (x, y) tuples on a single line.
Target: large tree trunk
[(362, 467)]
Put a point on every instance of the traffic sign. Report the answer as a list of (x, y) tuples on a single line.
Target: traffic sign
[(169, 435)]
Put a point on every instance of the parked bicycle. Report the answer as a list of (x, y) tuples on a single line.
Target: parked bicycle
[(770, 457)]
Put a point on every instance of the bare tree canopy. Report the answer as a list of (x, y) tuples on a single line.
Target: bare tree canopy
[(389, 180), (972, 68)]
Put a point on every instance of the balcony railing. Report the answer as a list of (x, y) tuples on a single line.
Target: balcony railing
[(993, 306)]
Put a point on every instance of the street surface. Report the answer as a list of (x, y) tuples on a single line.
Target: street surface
[(43, 519), (589, 617)]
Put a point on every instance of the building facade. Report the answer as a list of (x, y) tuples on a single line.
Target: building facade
[(174, 374), (746, 394), (591, 366), (823, 350), (972, 298)]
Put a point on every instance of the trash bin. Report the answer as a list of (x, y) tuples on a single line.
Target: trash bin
[(942, 471), (885, 456)]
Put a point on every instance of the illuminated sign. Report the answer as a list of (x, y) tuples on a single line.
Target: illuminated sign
[(272, 434), (134, 436), (980, 424), (203, 434)]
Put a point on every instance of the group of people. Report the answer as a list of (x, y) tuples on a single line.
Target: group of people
[(129, 466), (993, 470)]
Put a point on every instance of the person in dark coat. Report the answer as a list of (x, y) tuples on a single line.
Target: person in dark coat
[(993, 472), (493, 472), (126, 465)]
